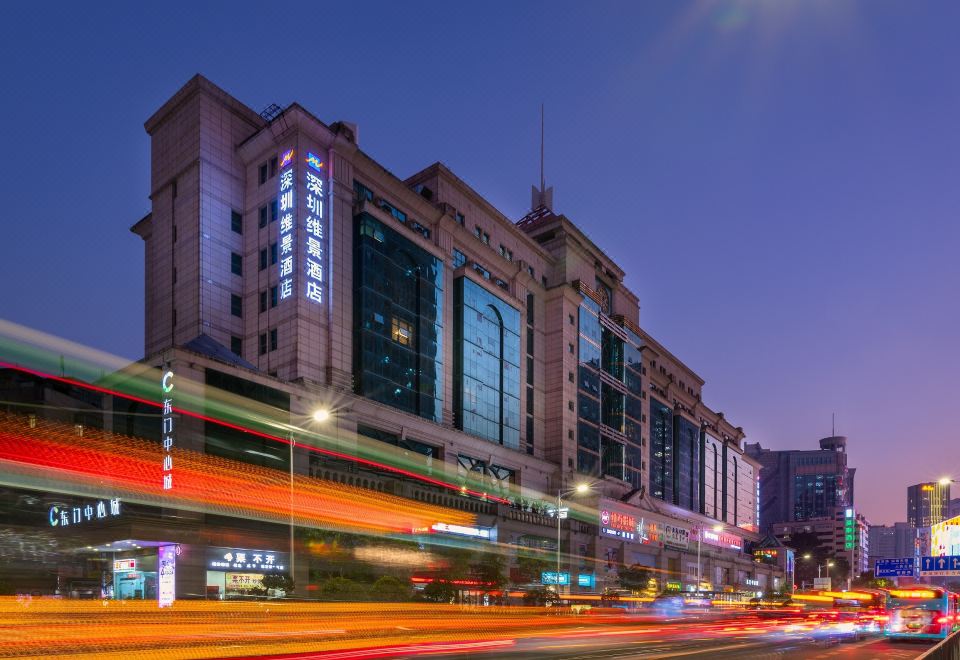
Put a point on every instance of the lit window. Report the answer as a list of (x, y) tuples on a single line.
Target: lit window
[(402, 332)]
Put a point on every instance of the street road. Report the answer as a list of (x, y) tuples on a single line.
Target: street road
[(761, 646)]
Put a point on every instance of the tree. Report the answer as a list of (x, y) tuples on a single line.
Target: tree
[(868, 581), (339, 588), (635, 577), (439, 592), (278, 582), (389, 589), (531, 567), (807, 544), (539, 597), (490, 570), (840, 570)]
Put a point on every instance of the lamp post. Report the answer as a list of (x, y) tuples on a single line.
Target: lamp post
[(320, 415), (580, 489), (828, 564), (716, 528)]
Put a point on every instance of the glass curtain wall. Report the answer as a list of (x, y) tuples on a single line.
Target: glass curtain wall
[(486, 365), (398, 315), (661, 451)]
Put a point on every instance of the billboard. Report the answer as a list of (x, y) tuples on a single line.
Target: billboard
[(945, 538)]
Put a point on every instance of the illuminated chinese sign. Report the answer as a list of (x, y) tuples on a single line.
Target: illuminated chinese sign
[(476, 532), (722, 539), (167, 431), (167, 575), (244, 581), (65, 516), (676, 536), (315, 197), (125, 565), (247, 560), (620, 525), (849, 530), (288, 221)]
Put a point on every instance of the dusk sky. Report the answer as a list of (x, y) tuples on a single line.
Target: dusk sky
[(780, 180)]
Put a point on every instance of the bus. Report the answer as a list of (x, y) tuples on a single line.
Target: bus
[(922, 612)]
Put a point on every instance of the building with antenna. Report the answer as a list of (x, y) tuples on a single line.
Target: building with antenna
[(507, 355)]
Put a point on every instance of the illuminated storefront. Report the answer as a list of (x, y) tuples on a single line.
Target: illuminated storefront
[(235, 572), (945, 538)]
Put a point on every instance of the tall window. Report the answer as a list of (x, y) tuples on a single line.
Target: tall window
[(486, 365), (399, 320)]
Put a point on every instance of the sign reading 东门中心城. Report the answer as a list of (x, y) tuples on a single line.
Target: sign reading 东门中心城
[(946, 566), (167, 431), (66, 516), (899, 567)]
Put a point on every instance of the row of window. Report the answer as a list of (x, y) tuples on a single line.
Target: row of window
[(267, 341), (268, 170), (268, 213)]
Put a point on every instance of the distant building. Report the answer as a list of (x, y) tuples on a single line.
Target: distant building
[(799, 485), (954, 508), (843, 533), (928, 504), (892, 541)]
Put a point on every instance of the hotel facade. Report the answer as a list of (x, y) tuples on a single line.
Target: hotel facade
[(505, 356)]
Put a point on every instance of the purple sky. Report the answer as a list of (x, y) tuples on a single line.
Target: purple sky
[(778, 179)]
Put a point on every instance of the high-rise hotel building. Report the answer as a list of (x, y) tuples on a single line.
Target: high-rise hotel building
[(285, 263)]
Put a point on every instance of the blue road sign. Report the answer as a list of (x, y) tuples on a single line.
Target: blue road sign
[(900, 567), (940, 566)]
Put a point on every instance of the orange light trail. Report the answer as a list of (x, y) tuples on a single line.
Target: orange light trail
[(117, 465)]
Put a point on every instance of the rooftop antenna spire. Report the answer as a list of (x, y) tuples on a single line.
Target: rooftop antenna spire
[(542, 197), (833, 424), (542, 180)]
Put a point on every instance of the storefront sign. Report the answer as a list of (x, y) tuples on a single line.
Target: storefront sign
[(65, 516), (243, 581), (167, 574), (678, 537), (315, 197), (167, 431), (619, 525), (722, 539), (476, 532), (288, 222), (550, 577), (125, 565), (268, 561)]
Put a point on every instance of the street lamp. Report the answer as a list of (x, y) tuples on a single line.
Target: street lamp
[(579, 490), (319, 415), (828, 564), (717, 528)]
